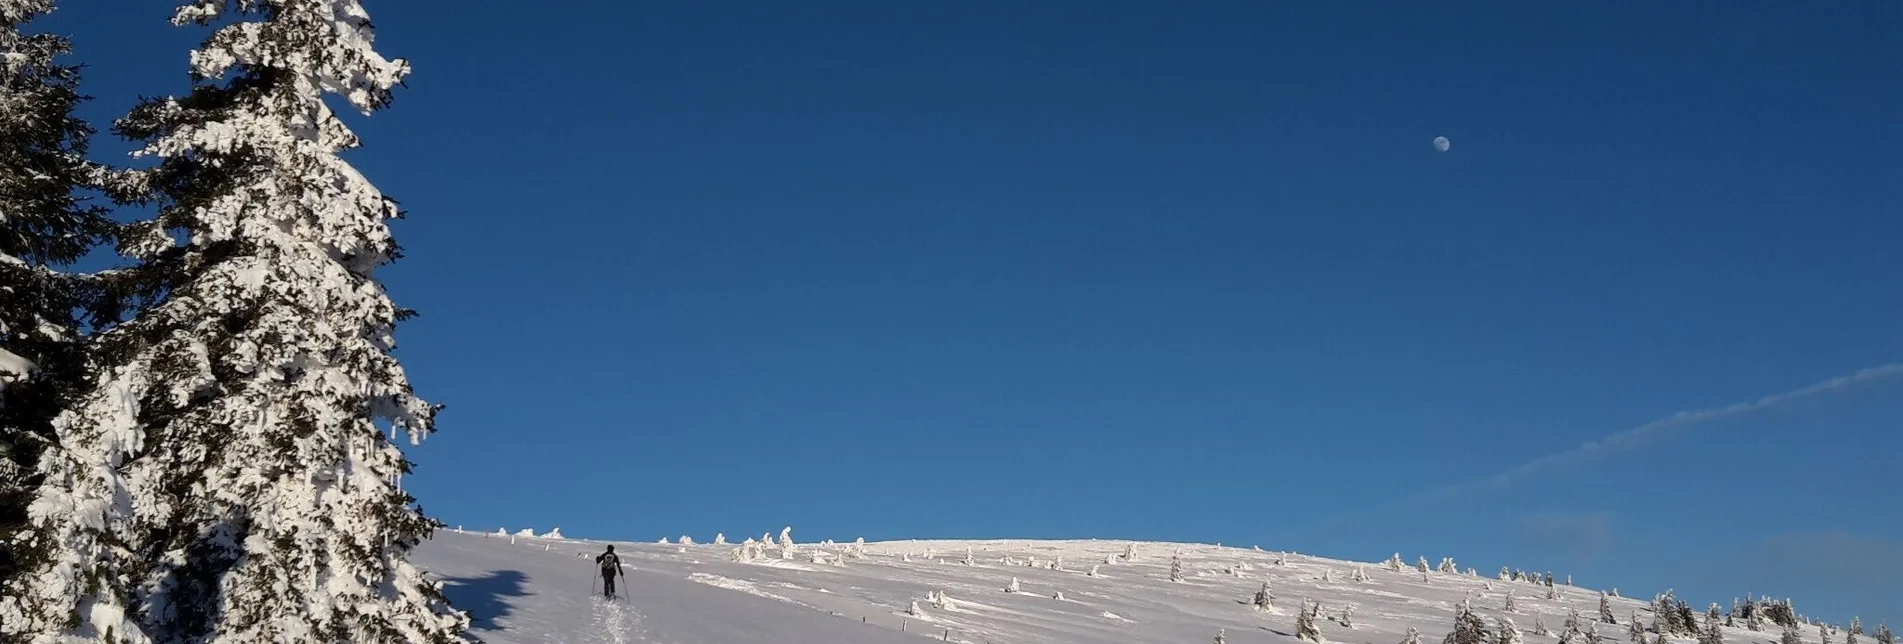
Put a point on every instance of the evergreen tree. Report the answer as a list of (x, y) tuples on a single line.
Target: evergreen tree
[(1712, 613), (1791, 636), (1592, 634), (1570, 633), (1469, 628), (1605, 609), (1539, 626), (1823, 634), (1856, 628), (1508, 633), (1305, 628), (1634, 630), (1176, 569), (1423, 565), (1712, 634), (1510, 606), (228, 476), (1884, 636), (44, 226), (1264, 600), (1687, 619), (1412, 636), (1219, 636), (1394, 564), (1505, 575)]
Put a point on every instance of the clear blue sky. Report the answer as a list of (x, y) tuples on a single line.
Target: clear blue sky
[(1152, 270)]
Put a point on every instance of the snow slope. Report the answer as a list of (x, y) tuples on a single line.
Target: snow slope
[(522, 589)]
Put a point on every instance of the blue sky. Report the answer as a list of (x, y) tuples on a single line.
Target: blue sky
[(1152, 270)]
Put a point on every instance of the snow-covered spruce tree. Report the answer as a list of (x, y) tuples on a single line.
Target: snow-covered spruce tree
[(1505, 574), (44, 226), (1552, 594), (1510, 606), (1592, 634), (1570, 633), (1395, 564), (1305, 628), (1790, 635), (1687, 619), (1539, 626), (1264, 599), (1712, 613), (1219, 636), (1856, 628), (1423, 565), (1884, 636), (1412, 636), (1469, 628), (228, 477), (1823, 634), (1509, 632), (1712, 634), (1176, 569), (1605, 610), (1634, 629)]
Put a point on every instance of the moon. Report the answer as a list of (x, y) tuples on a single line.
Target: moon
[(1441, 143)]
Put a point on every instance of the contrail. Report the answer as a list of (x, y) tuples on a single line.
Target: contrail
[(1640, 436)]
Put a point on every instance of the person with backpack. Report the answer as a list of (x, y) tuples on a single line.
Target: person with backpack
[(610, 567)]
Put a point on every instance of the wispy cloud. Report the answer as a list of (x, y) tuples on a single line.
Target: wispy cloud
[(1646, 434), (1635, 438)]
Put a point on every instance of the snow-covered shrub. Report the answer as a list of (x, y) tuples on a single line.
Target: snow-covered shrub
[(686, 540), (1540, 629), (1395, 564), (1013, 588), (553, 533), (1305, 627), (720, 538), (1510, 606), (914, 610), (1263, 600), (1412, 636), (1176, 569), (1469, 628), (1605, 609), (1423, 566), (1509, 632)]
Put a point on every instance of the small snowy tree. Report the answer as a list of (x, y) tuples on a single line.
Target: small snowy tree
[(1511, 606), (1605, 609), (1592, 634), (1552, 594), (1176, 569), (1712, 634), (1347, 619), (1509, 632), (1361, 574), (686, 540), (1448, 566), (1884, 636), (1634, 629), (1539, 626), (1395, 564), (1823, 634), (1469, 628), (1856, 628), (914, 610), (1013, 588), (786, 539), (1412, 636), (1219, 636), (1092, 573), (1791, 636), (1569, 633), (1305, 627), (1130, 552), (1327, 577), (720, 538), (1505, 575), (1264, 600), (1423, 565), (969, 561)]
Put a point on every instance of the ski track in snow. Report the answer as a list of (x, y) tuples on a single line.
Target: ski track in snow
[(535, 590)]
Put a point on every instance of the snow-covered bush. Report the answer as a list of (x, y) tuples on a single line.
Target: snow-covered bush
[(1013, 588), (1305, 627), (1509, 632), (720, 538), (1264, 600), (1412, 636), (1176, 569), (1468, 627), (554, 533)]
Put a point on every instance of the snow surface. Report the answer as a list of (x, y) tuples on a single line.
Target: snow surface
[(541, 590)]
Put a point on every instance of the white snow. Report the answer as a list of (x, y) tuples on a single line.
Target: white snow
[(899, 593), (13, 368)]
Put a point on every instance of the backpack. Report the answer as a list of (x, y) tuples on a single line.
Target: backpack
[(609, 561)]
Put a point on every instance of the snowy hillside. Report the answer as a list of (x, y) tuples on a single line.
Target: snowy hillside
[(524, 589)]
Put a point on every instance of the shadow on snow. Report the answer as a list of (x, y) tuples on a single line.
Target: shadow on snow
[(485, 598)]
